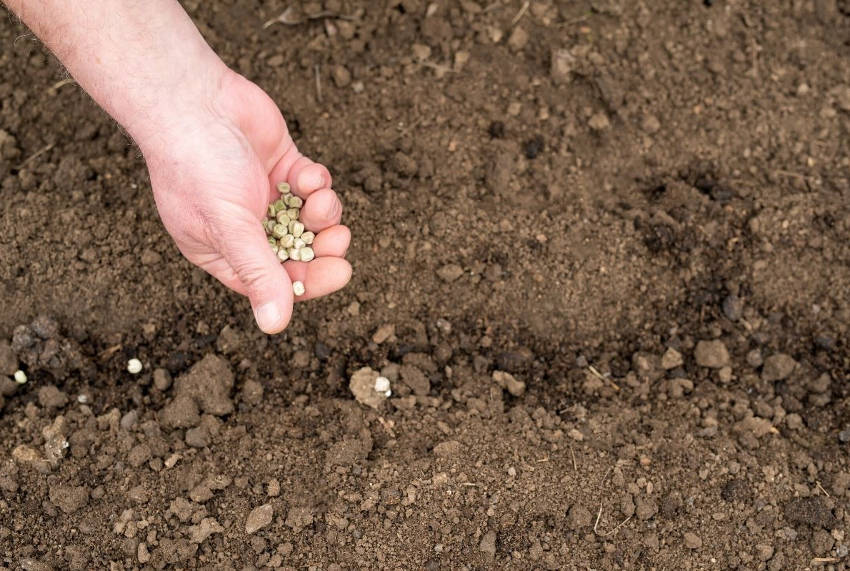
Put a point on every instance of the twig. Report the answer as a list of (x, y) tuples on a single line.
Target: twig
[(817, 483), (318, 83), (37, 154), (573, 454), (521, 13), (621, 524), (821, 560), (602, 377), (55, 87), (598, 515)]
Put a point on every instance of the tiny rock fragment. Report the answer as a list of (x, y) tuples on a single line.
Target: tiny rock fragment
[(208, 526), (362, 386), (341, 76), (508, 382), (671, 359), (692, 540), (447, 449), (259, 518), (599, 122), (561, 65), (778, 367), (488, 544), (711, 354), (450, 272), (383, 333)]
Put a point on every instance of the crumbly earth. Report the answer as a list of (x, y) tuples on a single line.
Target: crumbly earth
[(640, 211)]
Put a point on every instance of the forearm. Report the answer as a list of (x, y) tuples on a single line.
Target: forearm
[(143, 61)]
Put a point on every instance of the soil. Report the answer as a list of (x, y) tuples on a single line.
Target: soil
[(635, 214)]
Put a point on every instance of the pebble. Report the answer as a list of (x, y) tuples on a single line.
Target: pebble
[(671, 359), (449, 272), (208, 526), (692, 540), (777, 367), (341, 76), (508, 382), (273, 488), (733, 307), (161, 379), (844, 436), (383, 333), (561, 65), (259, 518), (711, 354), (488, 544)]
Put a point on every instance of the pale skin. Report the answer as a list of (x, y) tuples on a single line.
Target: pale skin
[(215, 144)]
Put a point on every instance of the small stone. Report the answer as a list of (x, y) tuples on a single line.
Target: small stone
[(362, 386), (198, 437), (561, 65), (711, 354), (579, 517), (138, 455), (518, 39), (208, 526), (447, 449), (273, 488), (777, 367), (671, 359), (449, 272), (341, 76), (51, 397), (794, 421), (509, 383), (488, 544), (692, 540), (259, 518), (383, 333), (844, 436), (754, 359), (733, 307), (599, 122), (161, 379)]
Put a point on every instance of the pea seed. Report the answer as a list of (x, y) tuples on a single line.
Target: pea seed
[(293, 213), (294, 254), (287, 241), (298, 288), (297, 229), (308, 237), (279, 231), (279, 205), (299, 243), (134, 366), (307, 254), (282, 254), (283, 187), (272, 210), (295, 202), (20, 377), (282, 218)]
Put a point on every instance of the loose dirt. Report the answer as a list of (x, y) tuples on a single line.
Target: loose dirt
[(601, 252)]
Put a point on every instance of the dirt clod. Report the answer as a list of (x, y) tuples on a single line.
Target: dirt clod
[(69, 498), (778, 367), (712, 354), (259, 518)]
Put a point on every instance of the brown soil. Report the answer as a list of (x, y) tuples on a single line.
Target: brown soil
[(578, 200)]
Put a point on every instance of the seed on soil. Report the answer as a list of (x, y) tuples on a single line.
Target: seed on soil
[(20, 377), (134, 366), (298, 288)]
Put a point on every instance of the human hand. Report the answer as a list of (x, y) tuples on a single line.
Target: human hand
[(214, 171)]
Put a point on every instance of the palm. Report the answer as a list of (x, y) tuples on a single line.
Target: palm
[(213, 191)]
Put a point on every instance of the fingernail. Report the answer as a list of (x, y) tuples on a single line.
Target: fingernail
[(268, 317)]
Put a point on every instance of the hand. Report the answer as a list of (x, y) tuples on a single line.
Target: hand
[(214, 172)]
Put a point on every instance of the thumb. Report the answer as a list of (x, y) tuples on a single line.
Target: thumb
[(245, 247)]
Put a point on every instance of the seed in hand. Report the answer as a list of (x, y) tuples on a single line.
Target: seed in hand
[(298, 288), (287, 235)]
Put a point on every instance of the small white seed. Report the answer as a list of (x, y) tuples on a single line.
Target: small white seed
[(299, 243), (272, 211), (307, 254), (20, 377), (382, 384), (294, 254), (279, 231), (295, 202), (134, 366), (297, 229), (293, 213), (283, 187), (287, 241), (282, 218), (298, 288), (279, 205), (308, 237), (282, 254)]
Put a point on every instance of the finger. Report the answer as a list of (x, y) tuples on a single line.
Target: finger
[(303, 175), (322, 210), (221, 270), (246, 249), (320, 277), (332, 242)]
